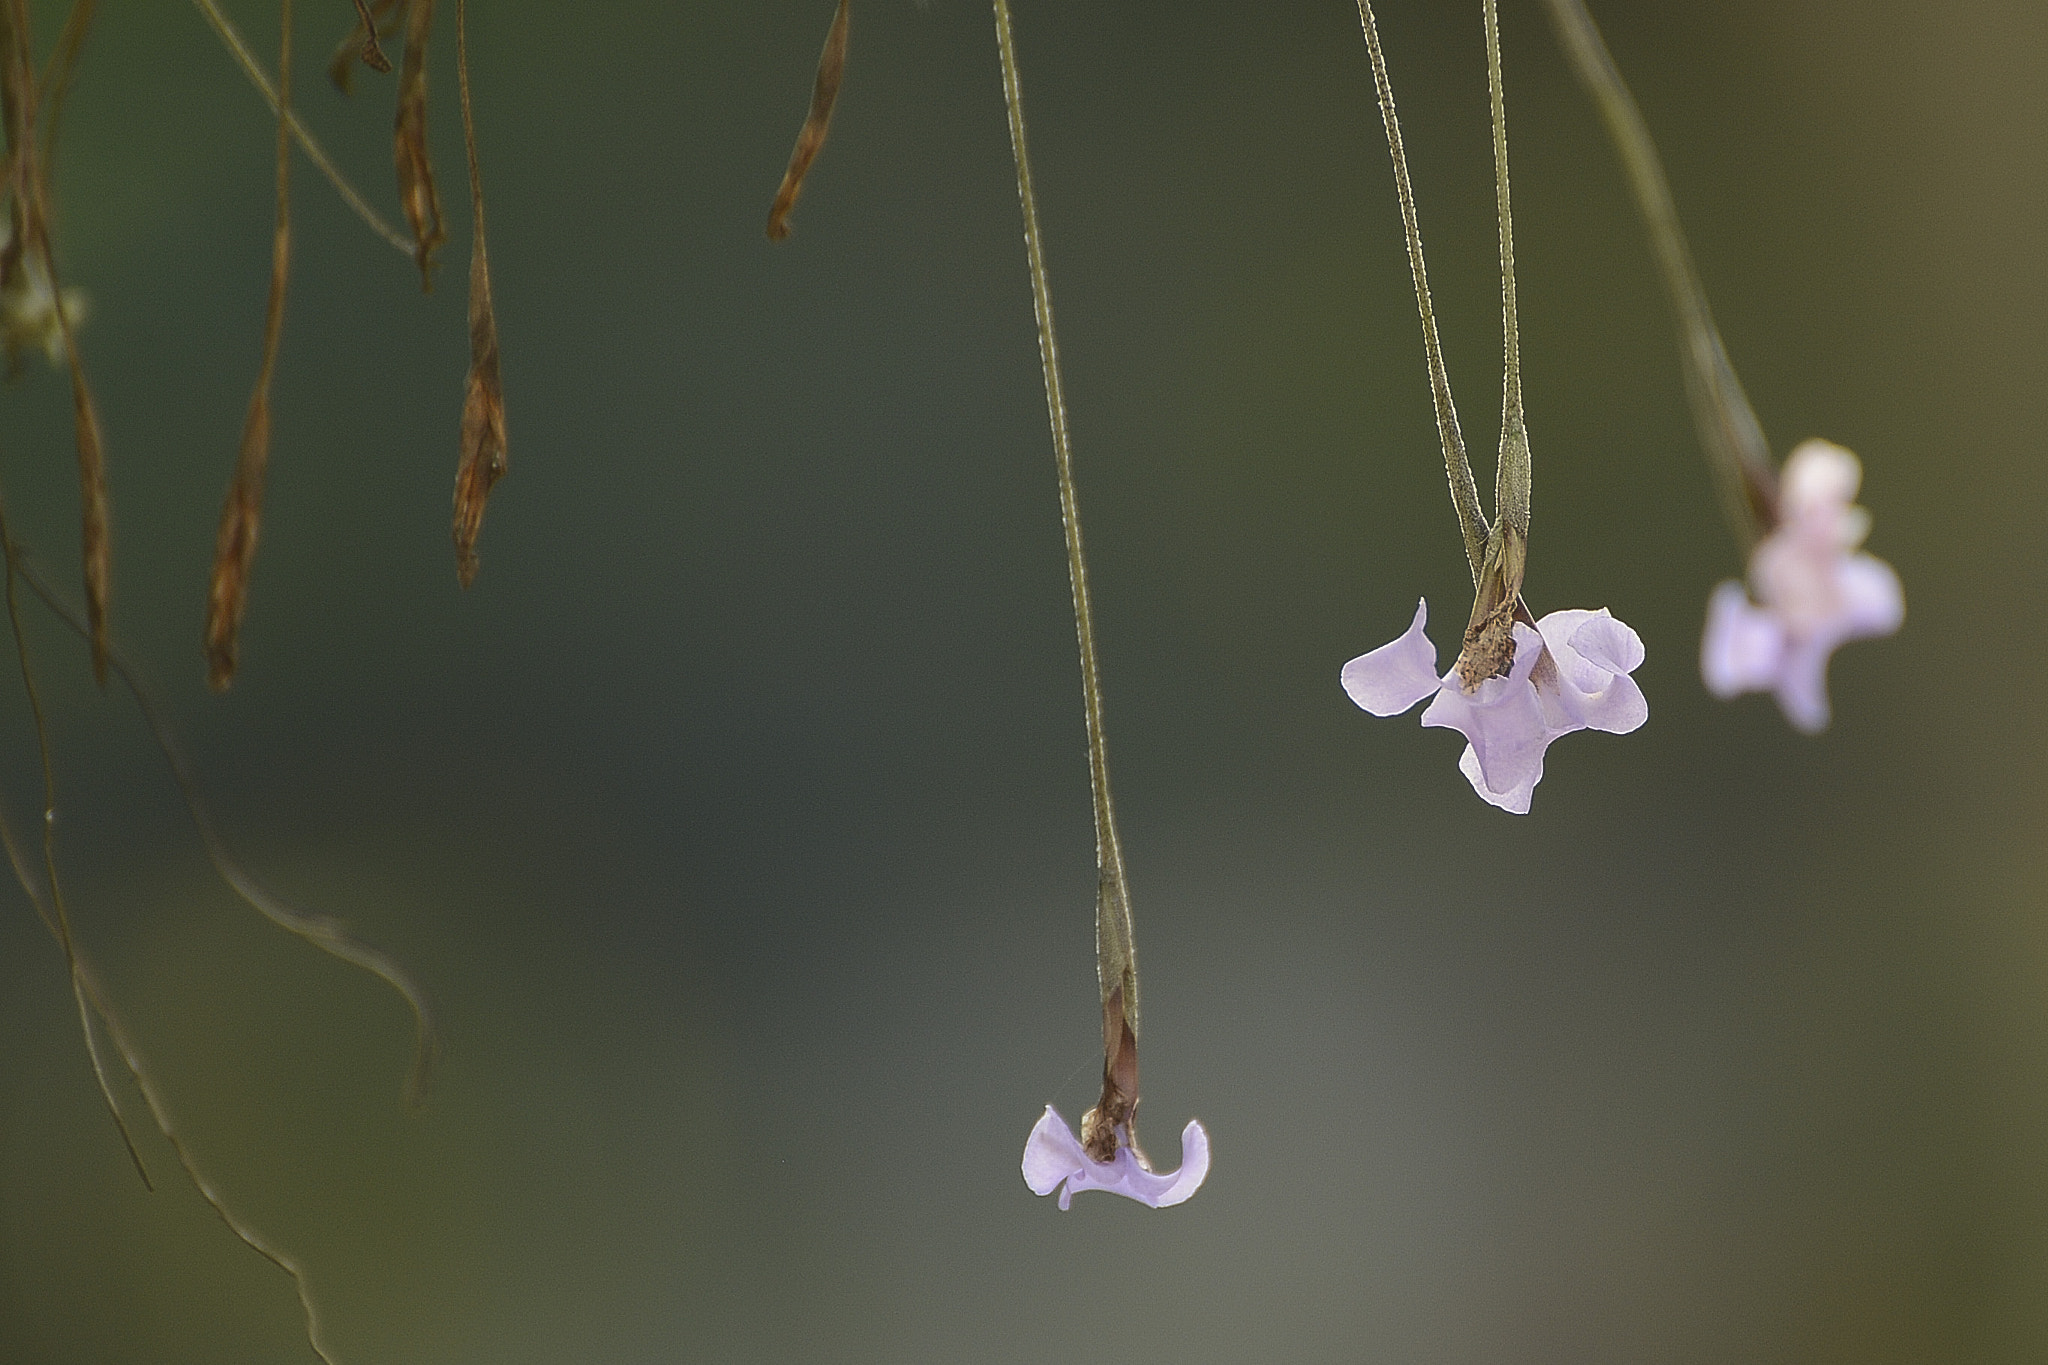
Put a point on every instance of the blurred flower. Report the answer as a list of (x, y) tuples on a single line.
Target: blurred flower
[(1052, 1155), (1570, 672), (28, 310), (1814, 591)]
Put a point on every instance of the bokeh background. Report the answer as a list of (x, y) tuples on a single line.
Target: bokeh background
[(738, 818)]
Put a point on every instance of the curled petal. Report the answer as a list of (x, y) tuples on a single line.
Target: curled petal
[(1820, 477), (1392, 678), (1054, 1157), (1595, 654)]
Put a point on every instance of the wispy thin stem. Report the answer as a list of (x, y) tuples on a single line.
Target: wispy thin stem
[(1511, 478), (322, 931), (246, 59), (56, 915), (1464, 491), (1116, 956), (152, 1099), (1728, 427)]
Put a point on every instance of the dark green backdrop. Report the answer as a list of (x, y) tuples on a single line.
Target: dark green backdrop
[(738, 816)]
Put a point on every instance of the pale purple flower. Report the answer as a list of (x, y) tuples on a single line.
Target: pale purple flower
[(1571, 672), (1814, 591), (1052, 1155)]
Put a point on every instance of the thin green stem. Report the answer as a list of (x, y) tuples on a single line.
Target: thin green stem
[(1464, 491), (1728, 426), (246, 59), (1511, 478), (1115, 951)]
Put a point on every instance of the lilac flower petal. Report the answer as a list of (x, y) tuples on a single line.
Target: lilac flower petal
[(1743, 648), (1873, 603), (1392, 678), (1802, 685), (1052, 1155), (1502, 721), (1605, 641), (1515, 801)]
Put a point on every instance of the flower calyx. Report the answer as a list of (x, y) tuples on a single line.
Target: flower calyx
[(1489, 649)]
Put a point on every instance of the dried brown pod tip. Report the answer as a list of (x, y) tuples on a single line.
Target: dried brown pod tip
[(482, 461), (811, 137), (234, 550), (372, 22), (416, 192)]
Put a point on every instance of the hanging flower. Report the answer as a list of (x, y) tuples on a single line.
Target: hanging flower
[(1814, 591), (1570, 672), (1054, 1156)]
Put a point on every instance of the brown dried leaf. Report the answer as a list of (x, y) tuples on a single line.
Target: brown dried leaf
[(811, 137), (482, 461), (416, 192), (94, 537), (372, 23), (234, 547), (241, 516)]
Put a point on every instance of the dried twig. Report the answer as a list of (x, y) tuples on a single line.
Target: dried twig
[(482, 461), (241, 515), (811, 137), (416, 192)]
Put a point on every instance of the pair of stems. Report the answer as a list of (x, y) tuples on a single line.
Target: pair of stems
[(1512, 473)]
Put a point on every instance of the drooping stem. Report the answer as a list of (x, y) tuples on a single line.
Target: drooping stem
[(1511, 479), (57, 915), (231, 37), (94, 990), (1728, 426), (1464, 491), (1116, 960)]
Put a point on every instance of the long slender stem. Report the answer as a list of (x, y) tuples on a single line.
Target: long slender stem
[(1115, 951), (57, 915), (322, 931), (1464, 491), (152, 1099), (1728, 426), (246, 59), (1511, 478)]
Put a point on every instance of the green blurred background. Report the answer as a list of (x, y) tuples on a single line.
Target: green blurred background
[(737, 818)]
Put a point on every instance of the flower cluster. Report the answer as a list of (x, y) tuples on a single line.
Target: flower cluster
[(1814, 591), (1570, 672), (1053, 1157)]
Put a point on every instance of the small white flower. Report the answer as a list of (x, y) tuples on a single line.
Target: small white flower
[(1814, 591), (1054, 1156), (28, 310), (1571, 672)]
